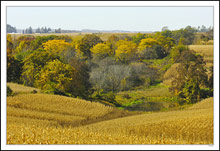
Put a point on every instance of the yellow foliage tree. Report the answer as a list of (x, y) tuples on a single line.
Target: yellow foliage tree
[(125, 50), (56, 46), (147, 43), (166, 42), (102, 49), (61, 47), (55, 77)]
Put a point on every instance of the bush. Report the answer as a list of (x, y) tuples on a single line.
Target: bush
[(103, 97), (34, 91), (9, 91), (126, 96)]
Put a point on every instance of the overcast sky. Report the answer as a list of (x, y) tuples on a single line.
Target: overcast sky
[(110, 18)]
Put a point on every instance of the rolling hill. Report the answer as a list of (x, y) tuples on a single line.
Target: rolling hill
[(53, 119)]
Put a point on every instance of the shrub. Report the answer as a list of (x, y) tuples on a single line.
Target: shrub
[(9, 91), (126, 96), (34, 91)]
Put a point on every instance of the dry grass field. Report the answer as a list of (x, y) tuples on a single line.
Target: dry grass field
[(104, 36), (53, 119), (17, 88), (207, 51)]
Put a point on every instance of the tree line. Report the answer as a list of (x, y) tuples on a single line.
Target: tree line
[(94, 69)]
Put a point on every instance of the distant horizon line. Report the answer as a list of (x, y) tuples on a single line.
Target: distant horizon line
[(109, 30)]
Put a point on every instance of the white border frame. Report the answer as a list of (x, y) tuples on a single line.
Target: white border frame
[(4, 4)]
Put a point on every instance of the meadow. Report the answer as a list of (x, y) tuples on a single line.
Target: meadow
[(53, 119)]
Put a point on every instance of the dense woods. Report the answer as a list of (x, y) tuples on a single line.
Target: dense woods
[(96, 69)]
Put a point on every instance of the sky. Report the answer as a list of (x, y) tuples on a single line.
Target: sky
[(110, 18)]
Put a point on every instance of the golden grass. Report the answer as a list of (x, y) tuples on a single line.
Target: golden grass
[(35, 121), (17, 88), (104, 36), (204, 50), (54, 105)]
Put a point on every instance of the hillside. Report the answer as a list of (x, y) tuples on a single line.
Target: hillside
[(53, 119), (207, 51), (58, 110)]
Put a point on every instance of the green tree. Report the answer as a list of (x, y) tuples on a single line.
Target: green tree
[(14, 69), (85, 44), (210, 79), (33, 63), (80, 84), (166, 42), (176, 52), (190, 78), (137, 38), (37, 43)]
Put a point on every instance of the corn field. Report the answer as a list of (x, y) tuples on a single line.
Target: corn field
[(54, 119)]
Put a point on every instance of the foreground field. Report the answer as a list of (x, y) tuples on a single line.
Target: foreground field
[(52, 119)]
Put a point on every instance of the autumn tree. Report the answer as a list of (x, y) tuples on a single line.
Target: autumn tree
[(112, 40), (23, 46), (85, 44), (60, 47), (150, 48), (147, 43), (125, 51), (102, 50), (191, 76), (37, 43), (33, 63), (10, 46), (55, 77), (56, 46)]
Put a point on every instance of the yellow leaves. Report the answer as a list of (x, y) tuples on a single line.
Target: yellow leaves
[(54, 75), (56, 45), (102, 48), (21, 46), (166, 42), (147, 43), (125, 49), (9, 38)]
